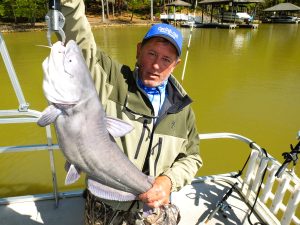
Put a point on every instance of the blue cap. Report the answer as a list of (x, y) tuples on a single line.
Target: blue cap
[(168, 32)]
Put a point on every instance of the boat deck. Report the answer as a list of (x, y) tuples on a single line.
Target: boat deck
[(70, 211), (196, 202), (208, 200)]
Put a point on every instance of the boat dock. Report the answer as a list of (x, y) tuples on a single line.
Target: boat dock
[(220, 25), (252, 26)]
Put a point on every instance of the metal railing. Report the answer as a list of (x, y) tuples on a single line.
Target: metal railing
[(24, 115), (283, 193)]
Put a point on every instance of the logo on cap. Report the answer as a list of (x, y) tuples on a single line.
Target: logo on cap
[(168, 32)]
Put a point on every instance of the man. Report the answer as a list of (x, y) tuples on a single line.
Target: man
[(165, 142)]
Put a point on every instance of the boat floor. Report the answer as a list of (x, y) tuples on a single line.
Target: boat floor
[(198, 200), (70, 211), (196, 203)]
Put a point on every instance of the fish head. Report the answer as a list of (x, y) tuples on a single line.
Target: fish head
[(64, 71)]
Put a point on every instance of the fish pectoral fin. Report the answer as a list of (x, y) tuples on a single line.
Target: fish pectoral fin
[(117, 127), (48, 116), (73, 175)]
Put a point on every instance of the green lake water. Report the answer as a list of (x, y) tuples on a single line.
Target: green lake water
[(241, 81)]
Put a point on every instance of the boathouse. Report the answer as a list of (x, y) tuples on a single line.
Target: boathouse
[(282, 13), (230, 13), (174, 17)]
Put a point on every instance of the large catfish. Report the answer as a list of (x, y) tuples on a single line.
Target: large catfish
[(82, 128)]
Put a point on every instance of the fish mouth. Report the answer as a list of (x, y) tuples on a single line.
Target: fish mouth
[(60, 97)]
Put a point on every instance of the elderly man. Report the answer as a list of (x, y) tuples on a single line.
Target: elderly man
[(165, 142)]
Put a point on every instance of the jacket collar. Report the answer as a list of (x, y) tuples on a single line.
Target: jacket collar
[(138, 103)]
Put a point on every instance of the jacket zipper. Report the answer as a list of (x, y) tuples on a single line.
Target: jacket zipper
[(158, 154), (141, 139), (150, 151)]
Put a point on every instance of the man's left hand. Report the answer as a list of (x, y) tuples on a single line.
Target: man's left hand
[(159, 194)]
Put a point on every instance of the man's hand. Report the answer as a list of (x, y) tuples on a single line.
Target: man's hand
[(159, 194)]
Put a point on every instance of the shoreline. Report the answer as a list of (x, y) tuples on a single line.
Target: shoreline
[(95, 22)]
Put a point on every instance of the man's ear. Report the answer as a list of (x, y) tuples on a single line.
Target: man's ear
[(176, 64), (178, 61), (138, 49)]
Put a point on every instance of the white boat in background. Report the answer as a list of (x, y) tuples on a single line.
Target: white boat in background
[(179, 17), (282, 13), (281, 19), (191, 23), (238, 17), (174, 17), (264, 192)]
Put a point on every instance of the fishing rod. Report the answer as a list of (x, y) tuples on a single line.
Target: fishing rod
[(189, 42), (289, 157), (222, 205), (55, 21)]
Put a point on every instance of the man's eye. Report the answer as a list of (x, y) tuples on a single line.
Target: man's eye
[(167, 60)]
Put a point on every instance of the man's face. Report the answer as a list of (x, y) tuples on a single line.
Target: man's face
[(156, 59)]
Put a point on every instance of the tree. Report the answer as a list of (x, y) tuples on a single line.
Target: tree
[(2, 10), (134, 5), (28, 10)]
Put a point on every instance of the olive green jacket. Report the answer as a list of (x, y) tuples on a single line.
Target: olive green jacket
[(170, 146)]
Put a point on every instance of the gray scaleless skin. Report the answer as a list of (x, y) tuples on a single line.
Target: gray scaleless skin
[(81, 124)]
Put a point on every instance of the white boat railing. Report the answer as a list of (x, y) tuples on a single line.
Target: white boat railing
[(23, 105), (24, 115), (279, 197)]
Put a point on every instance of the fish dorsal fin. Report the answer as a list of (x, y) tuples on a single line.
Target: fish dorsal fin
[(117, 127), (49, 115)]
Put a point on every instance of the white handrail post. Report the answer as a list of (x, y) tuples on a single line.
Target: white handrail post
[(23, 105), (52, 165), (24, 115)]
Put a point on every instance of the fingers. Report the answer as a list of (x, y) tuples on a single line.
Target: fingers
[(155, 197), (159, 203), (159, 194)]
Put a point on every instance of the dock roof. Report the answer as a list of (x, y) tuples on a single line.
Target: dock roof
[(227, 1), (283, 7), (179, 3)]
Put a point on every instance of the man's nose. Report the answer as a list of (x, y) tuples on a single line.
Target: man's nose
[(155, 63)]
